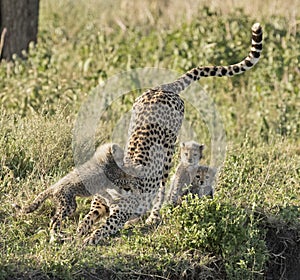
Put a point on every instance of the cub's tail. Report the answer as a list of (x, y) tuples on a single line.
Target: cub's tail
[(219, 71), (38, 201)]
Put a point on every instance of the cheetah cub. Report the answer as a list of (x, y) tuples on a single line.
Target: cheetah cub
[(202, 184), (190, 177), (93, 177)]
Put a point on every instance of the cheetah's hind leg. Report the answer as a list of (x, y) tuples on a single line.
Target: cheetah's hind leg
[(98, 210)]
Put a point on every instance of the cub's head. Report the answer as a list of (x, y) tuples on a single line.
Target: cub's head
[(110, 158), (191, 152)]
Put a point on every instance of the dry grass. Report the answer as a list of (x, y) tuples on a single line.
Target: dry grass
[(164, 13)]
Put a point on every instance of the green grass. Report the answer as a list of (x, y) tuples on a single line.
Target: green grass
[(248, 231)]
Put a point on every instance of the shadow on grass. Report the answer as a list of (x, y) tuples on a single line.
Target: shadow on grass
[(282, 239), (283, 243)]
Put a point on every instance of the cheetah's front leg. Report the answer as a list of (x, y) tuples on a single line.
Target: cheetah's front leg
[(120, 213)]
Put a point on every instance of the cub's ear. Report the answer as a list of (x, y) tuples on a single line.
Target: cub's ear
[(117, 152), (114, 148), (114, 151), (201, 147)]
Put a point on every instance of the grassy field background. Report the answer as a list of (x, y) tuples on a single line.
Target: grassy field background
[(250, 230)]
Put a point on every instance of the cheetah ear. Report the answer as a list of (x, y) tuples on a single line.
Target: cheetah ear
[(113, 148), (201, 147)]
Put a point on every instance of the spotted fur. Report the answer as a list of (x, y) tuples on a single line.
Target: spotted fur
[(85, 181), (156, 119)]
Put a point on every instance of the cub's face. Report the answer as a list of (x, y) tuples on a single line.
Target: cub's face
[(191, 152), (201, 176)]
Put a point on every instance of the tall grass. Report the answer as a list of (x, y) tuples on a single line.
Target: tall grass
[(80, 45)]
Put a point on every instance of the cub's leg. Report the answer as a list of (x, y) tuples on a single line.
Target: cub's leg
[(66, 206), (98, 210), (120, 212)]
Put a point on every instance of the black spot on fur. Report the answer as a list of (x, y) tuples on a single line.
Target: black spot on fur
[(255, 54), (248, 63), (181, 85), (186, 80), (236, 69), (224, 71), (257, 38), (257, 46)]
